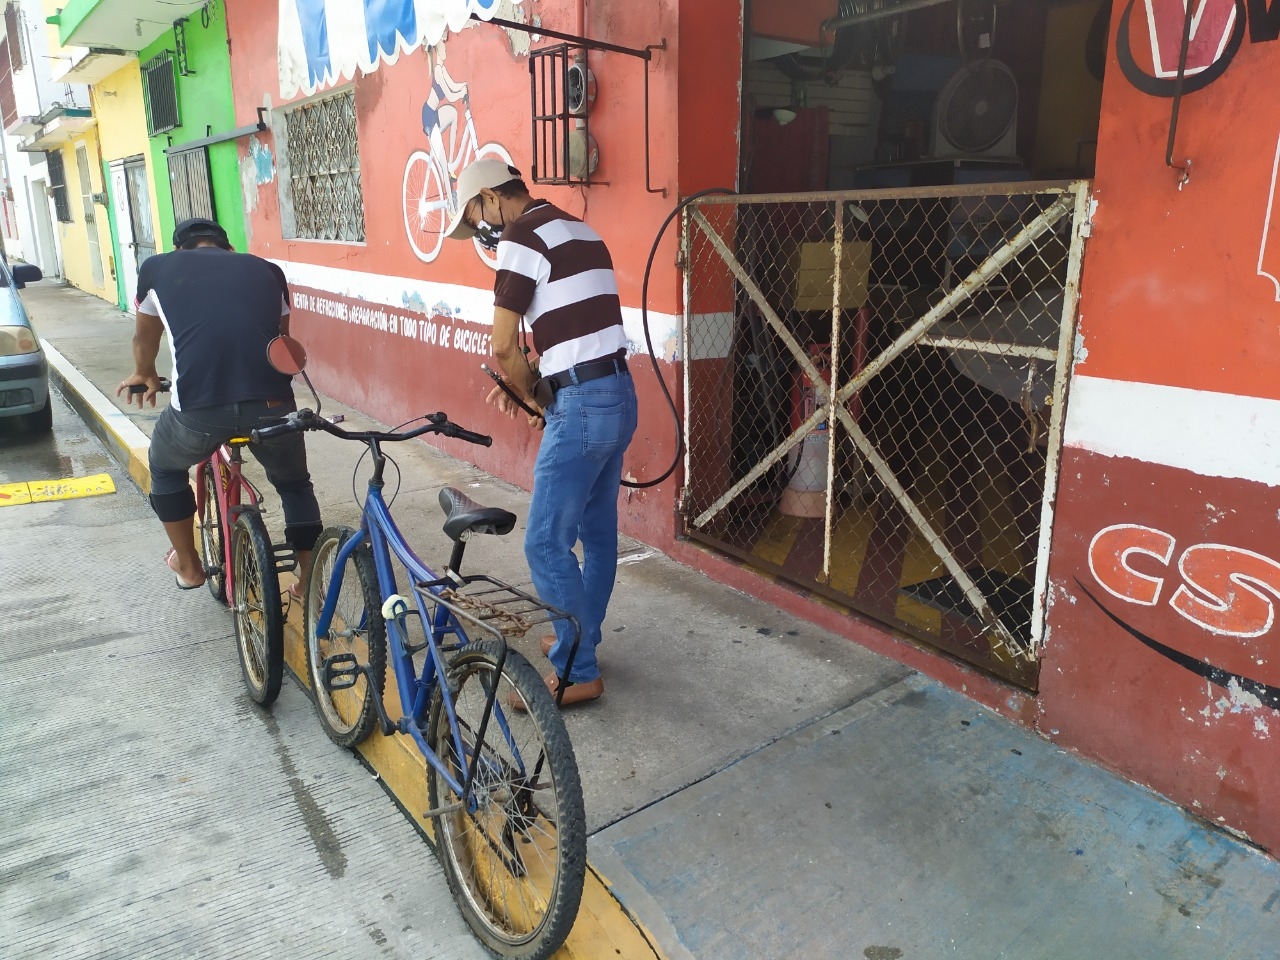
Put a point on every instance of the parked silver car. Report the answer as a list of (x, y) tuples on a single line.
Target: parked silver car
[(24, 371)]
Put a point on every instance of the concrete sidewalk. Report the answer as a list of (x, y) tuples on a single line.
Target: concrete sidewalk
[(759, 788)]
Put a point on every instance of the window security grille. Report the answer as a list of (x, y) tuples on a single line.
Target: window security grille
[(58, 185), (324, 175), (13, 34), (558, 86), (189, 183), (160, 89)]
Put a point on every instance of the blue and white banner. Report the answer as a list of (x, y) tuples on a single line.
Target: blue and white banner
[(325, 41)]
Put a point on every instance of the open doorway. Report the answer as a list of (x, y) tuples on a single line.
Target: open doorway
[(946, 91), (39, 203), (880, 326)]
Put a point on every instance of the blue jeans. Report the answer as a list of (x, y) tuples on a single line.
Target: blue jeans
[(575, 497)]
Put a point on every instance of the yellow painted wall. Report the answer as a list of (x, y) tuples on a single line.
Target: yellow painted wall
[(75, 243), (122, 127)]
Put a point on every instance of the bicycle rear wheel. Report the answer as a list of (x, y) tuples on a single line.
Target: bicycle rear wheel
[(515, 862), (212, 544), (256, 608), (347, 665)]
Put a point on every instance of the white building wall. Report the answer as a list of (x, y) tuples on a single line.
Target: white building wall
[(35, 93)]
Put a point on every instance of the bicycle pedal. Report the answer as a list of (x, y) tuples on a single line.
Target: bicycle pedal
[(284, 558), (341, 671)]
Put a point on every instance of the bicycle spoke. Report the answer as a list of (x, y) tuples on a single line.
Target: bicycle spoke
[(513, 867)]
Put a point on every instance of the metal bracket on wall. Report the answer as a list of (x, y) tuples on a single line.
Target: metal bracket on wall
[(1177, 99), (236, 134), (180, 42), (645, 54)]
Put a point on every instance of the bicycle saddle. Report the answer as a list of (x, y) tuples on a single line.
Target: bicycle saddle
[(463, 515)]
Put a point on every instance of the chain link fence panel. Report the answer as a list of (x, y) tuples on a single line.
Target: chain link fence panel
[(875, 387)]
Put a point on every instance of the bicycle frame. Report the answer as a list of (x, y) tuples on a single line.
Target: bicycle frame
[(229, 484), (415, 690)]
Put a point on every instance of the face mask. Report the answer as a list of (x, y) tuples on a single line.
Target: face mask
[(487, 235)]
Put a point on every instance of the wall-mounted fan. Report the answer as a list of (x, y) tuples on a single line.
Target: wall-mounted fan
[(977, 112)]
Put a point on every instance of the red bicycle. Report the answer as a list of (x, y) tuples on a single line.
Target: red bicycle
[(242, 565), (237, 552)]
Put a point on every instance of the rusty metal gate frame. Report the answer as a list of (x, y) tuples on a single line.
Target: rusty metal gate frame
[(1073, 202)]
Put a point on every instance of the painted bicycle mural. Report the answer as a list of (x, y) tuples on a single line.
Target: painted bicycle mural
[(429, 187)]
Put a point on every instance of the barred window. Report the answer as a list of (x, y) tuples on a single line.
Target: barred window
[(324, 169), (189, 182), (58, 185), (160, 90)]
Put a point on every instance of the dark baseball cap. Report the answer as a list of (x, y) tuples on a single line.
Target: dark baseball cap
[(200, 228)]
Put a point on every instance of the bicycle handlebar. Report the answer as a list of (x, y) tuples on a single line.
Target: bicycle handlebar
[(165, 385), (306, 420)]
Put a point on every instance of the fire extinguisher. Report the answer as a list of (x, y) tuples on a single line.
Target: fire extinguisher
[(805, 494), (804, 393)]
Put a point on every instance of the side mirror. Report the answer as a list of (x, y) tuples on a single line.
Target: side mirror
[(24, 273), (287, 355)]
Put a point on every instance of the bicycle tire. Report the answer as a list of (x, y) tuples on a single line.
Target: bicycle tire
[(348, 716), (211, 540), (259, 621), (520, 901), (426, 201)]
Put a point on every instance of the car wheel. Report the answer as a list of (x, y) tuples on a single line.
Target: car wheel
[(42, 420)]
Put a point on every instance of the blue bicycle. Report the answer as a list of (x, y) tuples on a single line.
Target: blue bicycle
[(503, 784)]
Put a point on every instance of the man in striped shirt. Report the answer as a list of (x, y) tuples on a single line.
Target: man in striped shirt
[(555, 274)]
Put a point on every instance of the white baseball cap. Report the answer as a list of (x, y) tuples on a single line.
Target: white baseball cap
[(476, 177)]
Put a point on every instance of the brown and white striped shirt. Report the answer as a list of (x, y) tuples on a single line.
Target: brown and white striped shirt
[(556, 272)]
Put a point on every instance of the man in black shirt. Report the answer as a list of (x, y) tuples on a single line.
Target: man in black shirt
[(220, 310)]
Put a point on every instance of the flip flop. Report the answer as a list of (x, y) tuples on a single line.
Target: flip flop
[(182, 584)]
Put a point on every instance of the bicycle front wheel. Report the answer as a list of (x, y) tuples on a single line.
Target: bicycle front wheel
[(347, 665), (514, 850), (258, 618)]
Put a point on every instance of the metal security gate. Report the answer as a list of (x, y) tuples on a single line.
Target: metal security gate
[(190, 184), (874, 395)]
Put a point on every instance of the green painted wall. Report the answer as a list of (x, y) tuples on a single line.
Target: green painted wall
[(205, 107)]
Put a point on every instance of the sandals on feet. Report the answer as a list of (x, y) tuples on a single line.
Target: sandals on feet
[(182, 584)]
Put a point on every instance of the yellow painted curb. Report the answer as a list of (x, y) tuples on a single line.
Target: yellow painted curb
[(603, 928), (14, 494), (42, 491), (123, 439)]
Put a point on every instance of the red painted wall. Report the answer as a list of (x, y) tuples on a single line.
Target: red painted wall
[(1163, 656), (396, 369)]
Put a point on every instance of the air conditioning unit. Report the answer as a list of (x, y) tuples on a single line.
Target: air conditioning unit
[(976, 114)]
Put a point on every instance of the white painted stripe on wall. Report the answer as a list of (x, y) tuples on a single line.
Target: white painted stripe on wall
[(1212, 434), (472, 304)]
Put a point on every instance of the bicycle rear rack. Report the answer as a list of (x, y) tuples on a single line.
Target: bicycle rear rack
[(499, 610), (494, 607)]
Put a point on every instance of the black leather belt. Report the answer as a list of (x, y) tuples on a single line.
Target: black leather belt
[(591, 370)]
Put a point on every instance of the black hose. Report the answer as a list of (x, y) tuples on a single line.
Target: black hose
[(648, 340)]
